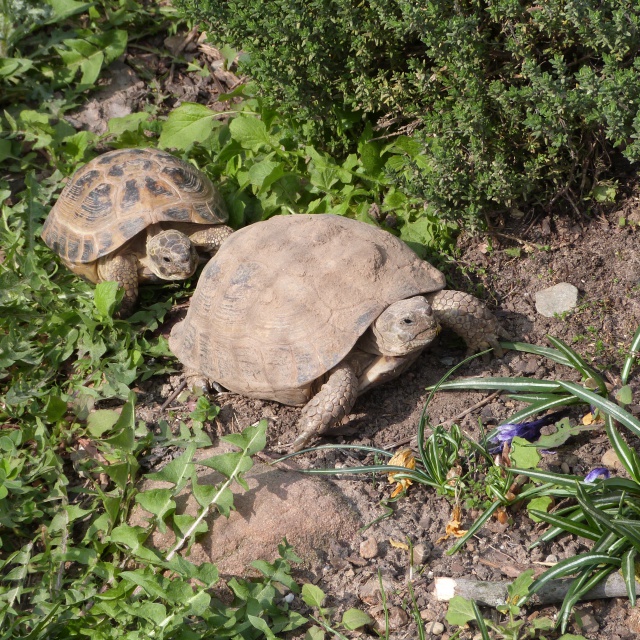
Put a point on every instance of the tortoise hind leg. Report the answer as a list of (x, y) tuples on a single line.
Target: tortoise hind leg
[(122, 269), (333, 402)]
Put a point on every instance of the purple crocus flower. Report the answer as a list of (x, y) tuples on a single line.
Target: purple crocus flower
[(530, 431), (595, 474)]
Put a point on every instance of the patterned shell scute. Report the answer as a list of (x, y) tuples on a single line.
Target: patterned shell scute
[(119, 194), (283, 301)]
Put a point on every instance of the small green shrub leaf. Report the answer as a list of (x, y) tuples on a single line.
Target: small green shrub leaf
[(250, 132), (100, 421), (460, 611), (354, 619), (105, 298), (312, 595), (189, 123), (156, 501), (541, 504), (523, 454)]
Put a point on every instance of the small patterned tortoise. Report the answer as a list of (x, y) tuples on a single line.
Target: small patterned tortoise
[(135, 216), (314, 310)]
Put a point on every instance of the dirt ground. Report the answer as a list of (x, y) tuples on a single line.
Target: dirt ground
[(596, 254)]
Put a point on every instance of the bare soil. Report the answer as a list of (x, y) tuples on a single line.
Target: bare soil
[(594, 253)]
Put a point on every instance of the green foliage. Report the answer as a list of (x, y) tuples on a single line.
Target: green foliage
[(351, 620), (71, 564), (514, 105), (265, 169), (605, 511), (510, 627)]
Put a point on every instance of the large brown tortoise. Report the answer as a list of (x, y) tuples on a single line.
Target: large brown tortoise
[(314, 310), (135, 216)]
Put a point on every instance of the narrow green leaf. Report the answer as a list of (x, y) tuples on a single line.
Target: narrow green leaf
[(603, 520), (480, 621), (552, 354), (617, 412), (564, 524), (478, 524), (579, 363), (505, 384), (570, 566), (627, 456), (629, 574), (633, 354)]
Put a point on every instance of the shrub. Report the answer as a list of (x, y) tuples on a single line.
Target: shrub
[(515, 103)]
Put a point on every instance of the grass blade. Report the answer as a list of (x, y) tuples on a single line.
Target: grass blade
[(633, 352), (478, 524), (482, 627), (629, 574), (608, 407)]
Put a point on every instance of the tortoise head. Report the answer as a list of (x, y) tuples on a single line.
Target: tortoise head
[(172, 256), (405, 326)]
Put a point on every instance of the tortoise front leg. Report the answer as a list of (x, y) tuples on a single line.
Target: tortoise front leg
[(469, 318), (333, 402), (122, 269), (211, 238)]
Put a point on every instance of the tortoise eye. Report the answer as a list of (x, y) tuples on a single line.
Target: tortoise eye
[(407, 321), (166, 259)]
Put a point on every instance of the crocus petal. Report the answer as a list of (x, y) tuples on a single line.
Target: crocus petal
[(596, 473)]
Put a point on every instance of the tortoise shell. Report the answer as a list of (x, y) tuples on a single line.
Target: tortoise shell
[(117, 195), (283, 301)]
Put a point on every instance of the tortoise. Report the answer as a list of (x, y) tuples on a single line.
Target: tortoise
[(313, 310), (136, 216)]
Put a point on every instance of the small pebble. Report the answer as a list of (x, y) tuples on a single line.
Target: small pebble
[(369, 548), (397, 619), (289, 598), (610, 459), (551, 558), (588, 624), (435, 628), (419, 554), (565, 468)]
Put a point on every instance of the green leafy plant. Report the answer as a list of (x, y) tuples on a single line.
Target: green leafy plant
[(605, 511), (351, 620), (510, 106), (461, 611), (266, 168)]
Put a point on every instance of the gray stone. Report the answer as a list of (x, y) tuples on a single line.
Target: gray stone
[(557, 299), (310, 512)]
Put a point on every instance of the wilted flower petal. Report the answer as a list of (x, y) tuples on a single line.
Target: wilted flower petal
[(406, 459), (596, 473)]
